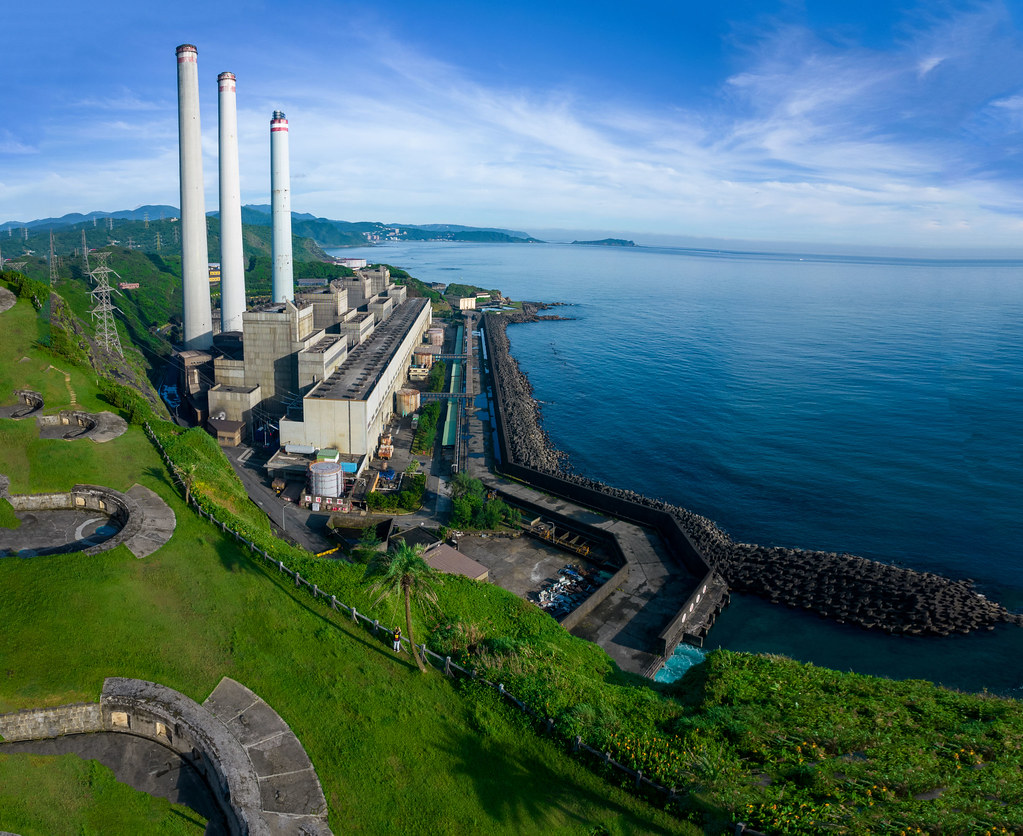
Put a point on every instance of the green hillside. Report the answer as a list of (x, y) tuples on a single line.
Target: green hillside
[(395, 750)]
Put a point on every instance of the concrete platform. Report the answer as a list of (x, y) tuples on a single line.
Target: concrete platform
[(56, 532), (107, 427), (291, 796), (159, 522)]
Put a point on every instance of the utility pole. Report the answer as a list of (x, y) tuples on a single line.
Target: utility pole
[(106, 328)]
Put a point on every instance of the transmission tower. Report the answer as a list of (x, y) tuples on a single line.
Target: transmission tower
[(24, 233), (106, 328), (16, 265), (158, 240), (53, 263), (145, 215), (85, 252)]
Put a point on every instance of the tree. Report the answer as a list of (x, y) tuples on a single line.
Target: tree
[(404, 572), (188, 473)]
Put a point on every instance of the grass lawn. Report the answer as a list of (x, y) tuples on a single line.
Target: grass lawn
[(64, 795), (396, 751)]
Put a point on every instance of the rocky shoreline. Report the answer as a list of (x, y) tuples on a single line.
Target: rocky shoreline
[(844, 587)]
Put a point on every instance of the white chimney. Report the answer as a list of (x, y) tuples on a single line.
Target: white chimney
[(198, 313), (232, 265), (280, 207)]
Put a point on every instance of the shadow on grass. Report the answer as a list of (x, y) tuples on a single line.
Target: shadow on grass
[(522, 793), (160, 474), (338, 620)]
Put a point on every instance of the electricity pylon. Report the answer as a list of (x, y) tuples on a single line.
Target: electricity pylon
[(106, 328)]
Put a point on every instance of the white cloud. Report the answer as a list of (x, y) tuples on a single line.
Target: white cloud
[(808, 140)]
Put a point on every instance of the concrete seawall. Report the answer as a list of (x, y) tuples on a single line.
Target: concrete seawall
[(847, 588)]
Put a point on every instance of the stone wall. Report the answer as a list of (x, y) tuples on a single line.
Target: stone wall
[(150, 710), (119, 507), (40, 723)]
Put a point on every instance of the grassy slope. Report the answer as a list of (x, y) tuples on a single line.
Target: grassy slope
[(67, 796), (393, 749)]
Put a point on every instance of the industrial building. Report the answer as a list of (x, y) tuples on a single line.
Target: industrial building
[(321, 368)]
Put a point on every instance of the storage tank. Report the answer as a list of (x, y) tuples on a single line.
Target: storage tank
[(326, 479), (436, 336), (423, 356), (408, 401)]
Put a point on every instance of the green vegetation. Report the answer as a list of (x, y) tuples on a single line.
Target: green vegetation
[(63, 795), (787, 747), (8, 519), (389, 745), (608, 242), (472, 508), (460, 290), (409, 498), (402, 572), (435, 380), (415, 286), (423, 440)]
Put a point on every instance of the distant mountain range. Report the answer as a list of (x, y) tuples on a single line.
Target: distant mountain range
[(324, 231)]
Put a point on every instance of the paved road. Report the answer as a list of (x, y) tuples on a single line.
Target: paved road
[(306, 528)]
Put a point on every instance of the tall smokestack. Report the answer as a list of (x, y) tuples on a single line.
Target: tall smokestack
[(195, 274), (232, 270), (280, 208)]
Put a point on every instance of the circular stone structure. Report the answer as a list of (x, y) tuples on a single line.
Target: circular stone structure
[(89, 519)]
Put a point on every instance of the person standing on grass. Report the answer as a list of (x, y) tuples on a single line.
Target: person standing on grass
[(397, 639)]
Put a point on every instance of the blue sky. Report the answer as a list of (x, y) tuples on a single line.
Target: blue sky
[(889, 124)]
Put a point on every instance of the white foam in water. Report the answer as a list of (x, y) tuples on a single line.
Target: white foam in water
[(684, 657)]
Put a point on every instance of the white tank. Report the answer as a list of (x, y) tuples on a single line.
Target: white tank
[(280, 209), (326, 479), (195, 275), (232, 264)]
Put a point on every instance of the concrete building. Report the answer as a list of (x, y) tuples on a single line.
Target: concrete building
[(348, 410)]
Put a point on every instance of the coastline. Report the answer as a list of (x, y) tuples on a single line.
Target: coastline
[(842, 587)]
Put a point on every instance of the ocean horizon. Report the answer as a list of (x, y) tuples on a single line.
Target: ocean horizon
[(860, 404)]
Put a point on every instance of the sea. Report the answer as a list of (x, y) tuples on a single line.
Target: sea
[(865, 405)]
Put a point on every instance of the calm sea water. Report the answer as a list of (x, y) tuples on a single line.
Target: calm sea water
[(849, 404)]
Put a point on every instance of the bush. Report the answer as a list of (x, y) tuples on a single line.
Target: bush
[(428, 417), (136, 407)]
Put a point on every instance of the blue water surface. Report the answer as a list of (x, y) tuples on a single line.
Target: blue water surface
[(856, 405)]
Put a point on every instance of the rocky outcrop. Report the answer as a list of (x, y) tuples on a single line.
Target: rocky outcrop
[(844, 587)]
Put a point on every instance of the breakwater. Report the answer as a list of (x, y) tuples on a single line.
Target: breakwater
[(844, 587)]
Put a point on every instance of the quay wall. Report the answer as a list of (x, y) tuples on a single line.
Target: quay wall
[(847, 588)]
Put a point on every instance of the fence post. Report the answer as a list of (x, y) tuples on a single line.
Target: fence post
[(639, 777), (298, 578), (316, 591), (355, 615), (500, 688), (447, 666), (280, 565), (607, 758), (376, 626), (550, 725), (333, 602), (577, 743)]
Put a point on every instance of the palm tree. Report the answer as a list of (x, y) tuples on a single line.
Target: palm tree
[(188, 473), (404, 571)]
